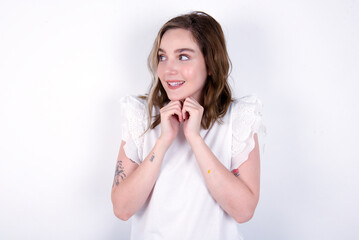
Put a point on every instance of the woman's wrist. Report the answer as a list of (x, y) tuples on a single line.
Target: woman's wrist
[(194, 139), (163, 144)]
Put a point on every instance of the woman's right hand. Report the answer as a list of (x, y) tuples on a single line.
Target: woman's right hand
[(171, 116)]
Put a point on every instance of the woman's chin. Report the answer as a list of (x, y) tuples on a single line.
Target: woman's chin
[(177, 98)]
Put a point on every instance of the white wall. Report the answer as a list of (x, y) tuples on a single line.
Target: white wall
[(65, 64)]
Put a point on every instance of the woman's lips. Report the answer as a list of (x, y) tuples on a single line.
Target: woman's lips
[(174, 84)]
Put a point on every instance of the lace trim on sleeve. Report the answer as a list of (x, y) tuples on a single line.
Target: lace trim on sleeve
[(246, 121), (133, 118)]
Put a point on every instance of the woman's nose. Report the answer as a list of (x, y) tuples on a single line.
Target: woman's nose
[(171, 67)]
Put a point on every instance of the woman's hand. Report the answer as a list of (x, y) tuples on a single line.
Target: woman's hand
[(192, 113), (171, 116)]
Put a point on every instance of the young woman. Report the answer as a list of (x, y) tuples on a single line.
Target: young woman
[(188, 166)]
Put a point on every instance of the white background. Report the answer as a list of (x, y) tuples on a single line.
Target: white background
[(65, 64)]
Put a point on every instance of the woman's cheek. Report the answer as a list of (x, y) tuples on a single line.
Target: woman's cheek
[(159, 71), (187, 72)]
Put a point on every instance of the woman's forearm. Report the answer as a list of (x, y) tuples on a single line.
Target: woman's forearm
[(230, 192), (130, 194)]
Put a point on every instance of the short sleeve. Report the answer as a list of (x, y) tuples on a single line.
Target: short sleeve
[(246, 121), (133, 125)]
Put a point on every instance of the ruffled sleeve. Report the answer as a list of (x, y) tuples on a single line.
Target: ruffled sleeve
[(246, 121), (133, 125)]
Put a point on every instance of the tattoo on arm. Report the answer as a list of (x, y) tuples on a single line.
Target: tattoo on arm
[(152, 157), (120, 172)]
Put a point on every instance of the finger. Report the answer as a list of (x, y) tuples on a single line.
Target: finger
[(169, 108), (190, 104), (174, 110), (172, 104), (179, 114), (184, 111), (191, 109), (178, 102), (192, 100), (187, 111), (194, 105), (178, 105), (185, 114)]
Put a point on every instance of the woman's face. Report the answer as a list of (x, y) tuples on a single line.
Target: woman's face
[(181, 68)]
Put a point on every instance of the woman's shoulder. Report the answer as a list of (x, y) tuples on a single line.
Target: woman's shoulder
[(134, 101), (249, 100), (246, 115), (246, 121), (245, 105), (134, 108)]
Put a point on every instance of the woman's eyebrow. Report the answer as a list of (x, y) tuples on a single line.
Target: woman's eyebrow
[(184, 50), (178, 50)]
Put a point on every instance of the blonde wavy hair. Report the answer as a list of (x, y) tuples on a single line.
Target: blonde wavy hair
[(216, 94)]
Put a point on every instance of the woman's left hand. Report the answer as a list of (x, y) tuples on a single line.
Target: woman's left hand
[(192, 113)]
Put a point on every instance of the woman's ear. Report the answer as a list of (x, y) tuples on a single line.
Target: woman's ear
[(209, 73)]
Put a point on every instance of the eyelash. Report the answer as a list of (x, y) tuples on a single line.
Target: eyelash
[(162, 58), (187, 58)]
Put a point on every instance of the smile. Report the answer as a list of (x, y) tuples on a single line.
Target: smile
[(174, 85)]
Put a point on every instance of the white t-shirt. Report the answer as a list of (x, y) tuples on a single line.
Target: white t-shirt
[(180, 205)]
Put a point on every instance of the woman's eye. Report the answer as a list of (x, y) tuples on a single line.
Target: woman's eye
[(183, 57), (161, 58)]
